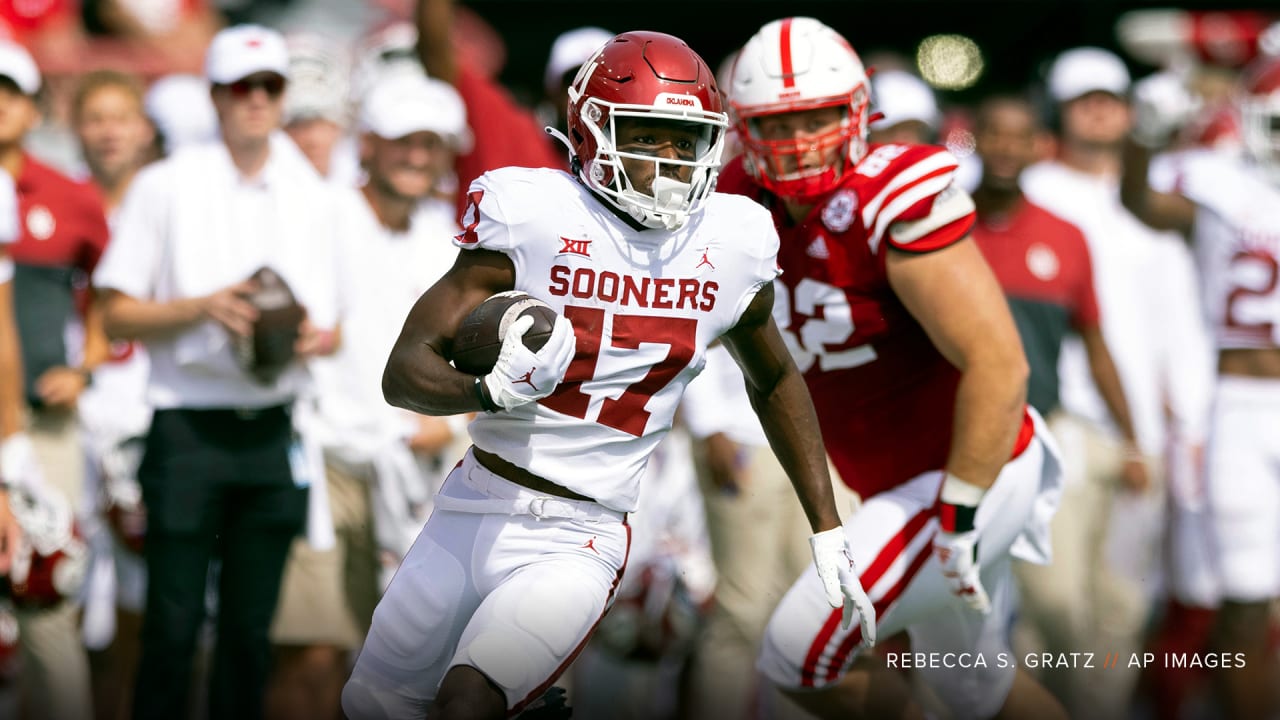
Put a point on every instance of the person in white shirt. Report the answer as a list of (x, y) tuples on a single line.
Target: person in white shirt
[(382, 463), (223, 475), (1084, 598)]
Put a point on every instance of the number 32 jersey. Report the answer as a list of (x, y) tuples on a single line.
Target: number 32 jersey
[(884, 395), (644, 305)]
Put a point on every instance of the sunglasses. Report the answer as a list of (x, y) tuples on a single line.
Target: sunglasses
[(272, 84)]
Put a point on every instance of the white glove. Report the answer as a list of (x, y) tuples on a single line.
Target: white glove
[(956, 544), (958, 555), (1161, 105), (840, 581), (18, 465), (522, 376)]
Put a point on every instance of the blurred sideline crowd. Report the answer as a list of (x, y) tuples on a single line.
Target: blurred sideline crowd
[(373, 138)]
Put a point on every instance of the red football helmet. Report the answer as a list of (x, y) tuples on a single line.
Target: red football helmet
[(794, 65), (646, 74), (51, 561), (1260, 113)]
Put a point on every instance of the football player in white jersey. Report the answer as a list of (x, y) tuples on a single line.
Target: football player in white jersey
[(646, 267), (1227, 204)]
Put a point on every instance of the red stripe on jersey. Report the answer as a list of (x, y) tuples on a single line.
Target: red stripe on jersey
[(538, 691), (784, 41), (882, 606), (1025, 434), (878, 567)]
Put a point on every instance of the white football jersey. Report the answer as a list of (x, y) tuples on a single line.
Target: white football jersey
[(1237, 239), (644, 304)]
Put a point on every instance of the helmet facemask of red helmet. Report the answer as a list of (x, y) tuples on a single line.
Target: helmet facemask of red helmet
[(651, 79), (799, 65)]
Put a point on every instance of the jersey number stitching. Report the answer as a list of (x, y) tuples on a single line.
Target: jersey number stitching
[(1268, 264), (626, 412), (828, 322)]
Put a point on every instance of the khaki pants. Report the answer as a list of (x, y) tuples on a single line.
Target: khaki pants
[(1095, 597), (760, 543), (55, 665), (327, 597)]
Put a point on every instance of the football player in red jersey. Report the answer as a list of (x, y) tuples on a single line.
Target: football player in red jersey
[(918, 376)]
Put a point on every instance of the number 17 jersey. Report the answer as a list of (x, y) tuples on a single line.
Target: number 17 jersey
[(644, 305)]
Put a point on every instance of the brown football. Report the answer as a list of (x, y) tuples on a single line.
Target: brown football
[(267, 353), (479, 338)]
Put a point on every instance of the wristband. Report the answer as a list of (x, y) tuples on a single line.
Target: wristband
[(482, 394), (958, 504)]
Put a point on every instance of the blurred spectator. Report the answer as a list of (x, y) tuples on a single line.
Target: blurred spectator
[(180, 108), (116, 140), (505, 133), (316, 106), (570, 49), (224, 474), (62, 234), (13, 441), (907, 107), (397, 246), (1144, 326), (1218, 199), (173, 33)]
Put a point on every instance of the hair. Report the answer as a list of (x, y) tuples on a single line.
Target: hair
[(93, 81), (1006, 98)]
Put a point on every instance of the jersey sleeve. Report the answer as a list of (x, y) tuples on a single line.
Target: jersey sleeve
[(485, 226), (919, 206), (760, 251)]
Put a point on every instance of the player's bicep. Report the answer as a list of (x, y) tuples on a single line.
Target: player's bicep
[(955, 297), (434, 319)]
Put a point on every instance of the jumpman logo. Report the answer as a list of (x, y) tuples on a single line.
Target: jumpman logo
[(527, 379), (705, 260), (591, 545)]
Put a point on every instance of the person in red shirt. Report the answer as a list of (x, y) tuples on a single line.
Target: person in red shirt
[(919, 381), (62, 233)]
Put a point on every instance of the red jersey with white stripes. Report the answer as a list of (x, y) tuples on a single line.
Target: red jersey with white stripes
[(884, 394)]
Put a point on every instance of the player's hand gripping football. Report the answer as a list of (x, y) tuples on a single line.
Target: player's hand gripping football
[(839, 578), (521, 375), (956, 544)]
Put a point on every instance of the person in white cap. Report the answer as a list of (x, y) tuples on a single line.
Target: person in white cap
[(223, 475), (316, 106), (908, 110), (569, 50), (62, 231), (1150, 320), (182, 111), (382, 463)]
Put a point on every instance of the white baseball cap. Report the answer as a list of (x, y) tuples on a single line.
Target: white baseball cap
[(17, 65), (240, 51), (319, 73), (900, 96), (1084, 70), (570, 50), (404, 102), (182, 110)]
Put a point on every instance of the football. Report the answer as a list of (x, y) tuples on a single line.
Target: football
[(265, 354), (479, 338)]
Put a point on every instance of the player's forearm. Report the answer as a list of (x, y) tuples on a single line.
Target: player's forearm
[(990, 402), (11, 400), (418, 378), (435, 50), (128, 318), (1107, 379), (1161, 211), (789, 421)]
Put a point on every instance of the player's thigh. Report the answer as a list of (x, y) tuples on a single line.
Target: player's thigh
[(964, 656), (804, 645), (531, 625), (418, 622), (1243, 487)]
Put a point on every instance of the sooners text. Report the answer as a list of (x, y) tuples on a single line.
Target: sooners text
[(629, 291)]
